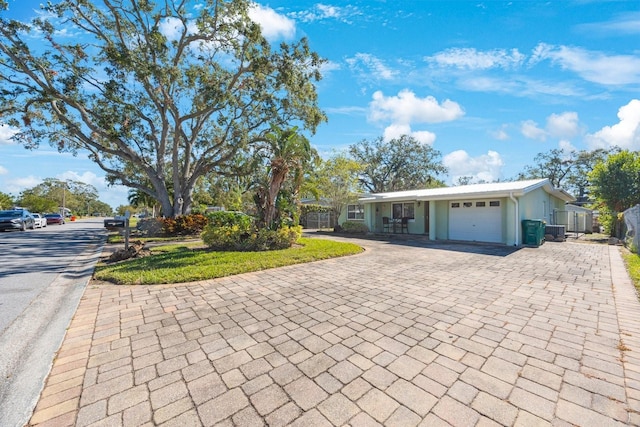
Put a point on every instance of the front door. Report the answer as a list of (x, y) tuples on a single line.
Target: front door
[(426, 217)]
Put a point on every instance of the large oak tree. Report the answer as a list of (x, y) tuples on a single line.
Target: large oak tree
[(566, 169), (159, 94), (399, 164)]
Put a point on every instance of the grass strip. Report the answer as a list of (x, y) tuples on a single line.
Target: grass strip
[(119, 238), (632, 262), (180, 263)]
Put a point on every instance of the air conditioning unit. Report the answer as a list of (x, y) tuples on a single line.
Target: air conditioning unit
[(557, 231)]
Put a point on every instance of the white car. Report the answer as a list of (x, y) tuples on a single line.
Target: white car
[(38, 220)]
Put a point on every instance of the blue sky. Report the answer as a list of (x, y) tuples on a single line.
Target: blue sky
[(489, 84)]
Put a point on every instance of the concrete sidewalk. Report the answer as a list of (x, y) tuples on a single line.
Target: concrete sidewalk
[(404, 334)]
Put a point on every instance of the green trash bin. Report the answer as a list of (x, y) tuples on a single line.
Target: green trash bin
[(542, 231), (533, 232)]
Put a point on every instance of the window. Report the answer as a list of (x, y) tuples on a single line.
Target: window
[(467, 204), (401, 210), (481, 204), (455, 205), (355, 212), (494, 203)]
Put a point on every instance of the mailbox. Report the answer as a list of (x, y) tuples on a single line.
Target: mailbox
[(117, 222)]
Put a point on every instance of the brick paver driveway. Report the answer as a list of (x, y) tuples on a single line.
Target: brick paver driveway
[(401, 335)]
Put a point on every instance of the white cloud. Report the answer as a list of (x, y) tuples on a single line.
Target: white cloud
[(397, 130), (274, 26), (406, 108), (564, 125), (484, 168), (518, 86), (6, 132), (628, 23), (323, 12), (471, 59), (3, 170), (424, 137), (329, 11), (567, 146), (501, 133), (87, 177), (370, 67), (488, 84), (592, 66), (624, 134), (172, 28), (328, 67), (114, 195), (348, 111), (16, 185), (530, 129)]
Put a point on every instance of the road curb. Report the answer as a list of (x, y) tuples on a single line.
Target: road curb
[(42, 327)]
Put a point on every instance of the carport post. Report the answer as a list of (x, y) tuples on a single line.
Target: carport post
[(517, 219)]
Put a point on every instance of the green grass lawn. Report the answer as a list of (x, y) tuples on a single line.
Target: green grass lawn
[(633, 267), (180, 263)]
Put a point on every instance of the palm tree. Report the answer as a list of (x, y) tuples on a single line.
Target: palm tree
[(139, 198), (287, 152)]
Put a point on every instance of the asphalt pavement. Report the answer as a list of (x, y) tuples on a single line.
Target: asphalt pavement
[(43, 275)]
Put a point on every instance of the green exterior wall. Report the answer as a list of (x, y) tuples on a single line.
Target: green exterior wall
[(537, 204)]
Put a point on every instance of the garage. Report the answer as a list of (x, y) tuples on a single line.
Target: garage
[(488, 212), (475, 220)]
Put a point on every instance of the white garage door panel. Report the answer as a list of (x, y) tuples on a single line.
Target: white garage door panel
[(479, 224)]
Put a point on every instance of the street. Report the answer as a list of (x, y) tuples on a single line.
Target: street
[(42, 277)]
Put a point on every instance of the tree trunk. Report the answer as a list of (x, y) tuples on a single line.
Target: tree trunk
[(336, 216), (165, 201), (274, 188)]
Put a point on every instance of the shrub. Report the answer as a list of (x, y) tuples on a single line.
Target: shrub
[(191, 224), (227, 230), (229, 218), (237, 232), (282, 238), (353, 227), (150, 227)]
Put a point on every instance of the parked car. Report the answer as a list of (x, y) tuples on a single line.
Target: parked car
[(54, 218), (16, 219), (115, 223), (38, 220)]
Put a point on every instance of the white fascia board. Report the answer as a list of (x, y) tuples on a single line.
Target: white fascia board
[(472, 192), (474, 196)]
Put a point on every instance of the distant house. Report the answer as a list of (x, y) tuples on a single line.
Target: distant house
[(479, 213)]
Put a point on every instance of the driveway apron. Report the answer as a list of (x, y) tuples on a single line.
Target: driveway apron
[(407, 333)]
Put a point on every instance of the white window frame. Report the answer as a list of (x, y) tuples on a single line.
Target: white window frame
[(408, 206), (355, 212)]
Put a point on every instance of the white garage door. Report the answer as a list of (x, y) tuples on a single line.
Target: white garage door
[(477, 220)]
